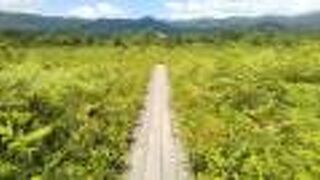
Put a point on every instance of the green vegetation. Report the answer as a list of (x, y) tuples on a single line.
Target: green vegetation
[(68, 112), (246, 104), (248, 111)]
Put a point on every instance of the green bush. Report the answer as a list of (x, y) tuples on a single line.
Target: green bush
[(247, 111), (67, 113)]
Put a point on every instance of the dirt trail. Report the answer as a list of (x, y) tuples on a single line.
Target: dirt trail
[(156, 153)]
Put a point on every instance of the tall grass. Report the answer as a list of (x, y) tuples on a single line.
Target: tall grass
[(249, 112), (67, 113)]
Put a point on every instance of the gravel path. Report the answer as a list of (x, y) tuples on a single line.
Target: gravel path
[(156, 153)]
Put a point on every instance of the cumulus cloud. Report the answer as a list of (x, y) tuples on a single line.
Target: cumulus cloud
[(19, 5), (98, 10), (182, 9)]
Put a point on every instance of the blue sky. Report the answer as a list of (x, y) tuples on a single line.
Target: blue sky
[(168, 9)]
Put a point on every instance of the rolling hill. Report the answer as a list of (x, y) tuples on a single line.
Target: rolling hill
[(38, 23)]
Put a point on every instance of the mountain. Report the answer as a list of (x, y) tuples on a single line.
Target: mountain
[(110, 26), (304, 22), (37, 23), (28, 22)]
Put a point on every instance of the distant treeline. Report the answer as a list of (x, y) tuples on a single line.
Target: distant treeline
[(31, 30), (35, 38)]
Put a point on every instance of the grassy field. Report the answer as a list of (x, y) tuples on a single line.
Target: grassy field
[(249, 112), (243, 111), (67, 113)]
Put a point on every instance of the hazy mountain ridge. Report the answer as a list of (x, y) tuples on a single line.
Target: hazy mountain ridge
[(301, 22), (27, 22)]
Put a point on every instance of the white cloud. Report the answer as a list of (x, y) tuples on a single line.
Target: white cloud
[(187, 9), (19, 5), (98, 10)]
